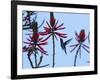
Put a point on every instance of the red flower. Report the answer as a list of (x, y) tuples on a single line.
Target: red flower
[(36, 43), (52, 19), (35, 37), (81, 37), (52, 28)]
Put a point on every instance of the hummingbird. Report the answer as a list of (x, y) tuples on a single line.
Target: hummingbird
[(63, 44)]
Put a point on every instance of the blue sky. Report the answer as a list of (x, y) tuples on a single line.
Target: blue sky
[(73, 22)]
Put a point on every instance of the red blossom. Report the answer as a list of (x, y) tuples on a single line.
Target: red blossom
[(81, 37), (34, 40), (35, 37), (52, 19), (52, 28)]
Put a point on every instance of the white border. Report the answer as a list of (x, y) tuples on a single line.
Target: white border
[(21, 71)]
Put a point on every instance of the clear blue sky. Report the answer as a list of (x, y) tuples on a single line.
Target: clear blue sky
[(73, 22)]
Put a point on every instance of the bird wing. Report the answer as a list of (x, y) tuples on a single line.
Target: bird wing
[(67, 42)]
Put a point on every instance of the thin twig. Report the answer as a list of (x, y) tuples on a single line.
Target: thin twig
[(42, 66), (41, 57), (30, 60), (35, 55)]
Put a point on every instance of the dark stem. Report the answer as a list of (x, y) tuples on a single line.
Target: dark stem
[(53, 51), (30, 60), (76, 55), (35, 55), (80, 52), (42, 66), (41, 57)]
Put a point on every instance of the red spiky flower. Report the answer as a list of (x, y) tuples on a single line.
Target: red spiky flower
[(51, 30), (80, 38), (35, 43)]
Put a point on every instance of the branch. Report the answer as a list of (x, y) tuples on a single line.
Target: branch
[(27, 28), (41, 57), (30, 60), (42, 66)]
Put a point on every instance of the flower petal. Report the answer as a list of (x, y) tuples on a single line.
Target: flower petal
[(52, 19), (85, 46), (48, 24), (61, 35), (29, 39), (56, 24), (43, 33), (40, 39), (60, 25), (74, 47), (35, 37), (60, 28), (41, 50), (85, 49), (46, 38), (44, 52), (45, 43), (47, 29), (82, 35), (77, 37)]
